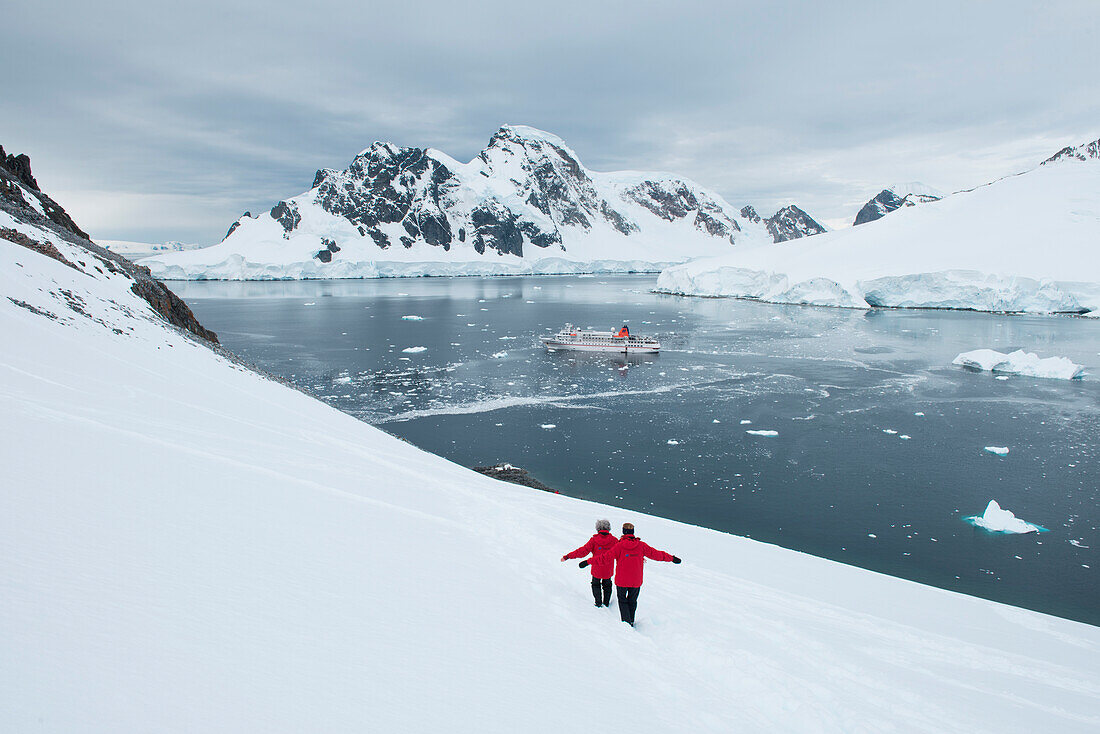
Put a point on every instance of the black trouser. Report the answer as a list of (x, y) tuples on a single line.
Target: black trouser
[(628, 602), (601, 591)]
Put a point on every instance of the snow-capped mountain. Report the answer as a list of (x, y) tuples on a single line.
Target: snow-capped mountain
[(189, 546), (1022, 243), (894, 197), (524, 204)]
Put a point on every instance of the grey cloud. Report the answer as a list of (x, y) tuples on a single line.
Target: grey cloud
[(183, 115)]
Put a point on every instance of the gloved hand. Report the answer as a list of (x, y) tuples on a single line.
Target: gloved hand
[(584, 564), (565, 558), (675, 559)]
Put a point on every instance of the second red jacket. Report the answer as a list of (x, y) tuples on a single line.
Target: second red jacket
[(629, 555), (598, 544)]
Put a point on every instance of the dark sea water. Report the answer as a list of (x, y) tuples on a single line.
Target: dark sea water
[(667, 434)]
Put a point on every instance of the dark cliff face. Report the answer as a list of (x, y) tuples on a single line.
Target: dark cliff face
[(1084, 152), (541, 192), (790, 223), (17, 184), (885, 202), (20, 186)]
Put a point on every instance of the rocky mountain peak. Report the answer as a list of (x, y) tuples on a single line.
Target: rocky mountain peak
[(1083, 152), (19, 187), (790, 223), (19, 166), (895, 197)]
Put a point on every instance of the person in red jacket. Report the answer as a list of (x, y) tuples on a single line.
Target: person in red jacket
[(599, 543), (629, 555)]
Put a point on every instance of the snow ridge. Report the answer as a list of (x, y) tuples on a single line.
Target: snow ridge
[(1022, 244)]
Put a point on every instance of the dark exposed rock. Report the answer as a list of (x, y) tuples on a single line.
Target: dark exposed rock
[(20, 167), (1070, 152), (513, 475), (885, 202), (750, 214), (43, 248), (790, 223), (324, 256), (169, 305), (286, 214), (17, 184)]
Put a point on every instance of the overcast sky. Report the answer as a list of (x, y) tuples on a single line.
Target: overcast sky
[(153, 120)]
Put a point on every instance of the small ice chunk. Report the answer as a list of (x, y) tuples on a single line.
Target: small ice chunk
[(498, 355), (716, 421), (905, 437), (762, 433), (1020, 362), (891, 431), (412, 317), (997, 520), (548, 426), (672, 442), (998, 450), (414, 350), (745, 422), (311, 303), (919, 414), (871, 535)]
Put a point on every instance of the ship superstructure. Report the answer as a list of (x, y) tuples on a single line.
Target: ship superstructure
[(588, 340)]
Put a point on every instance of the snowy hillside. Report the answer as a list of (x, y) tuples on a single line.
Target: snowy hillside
[(525, 204), (188, 546), (1023, 243)]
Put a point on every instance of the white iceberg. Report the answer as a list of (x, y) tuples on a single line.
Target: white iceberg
[(1020, 362), (762, 433), (998, 450), (414, 350), (412, 317), (997, 520)]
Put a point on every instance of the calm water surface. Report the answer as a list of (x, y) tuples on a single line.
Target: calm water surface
[(880, 448)]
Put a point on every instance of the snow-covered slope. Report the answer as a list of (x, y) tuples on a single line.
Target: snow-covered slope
[(894, 197), (526, 204), (1023, 243), (188, 546)]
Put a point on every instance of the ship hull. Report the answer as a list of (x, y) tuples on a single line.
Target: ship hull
[(609, 348)]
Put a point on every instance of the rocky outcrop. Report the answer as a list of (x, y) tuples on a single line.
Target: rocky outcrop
[(790, 223), (1083, 152), (17, 189), (894, 198)]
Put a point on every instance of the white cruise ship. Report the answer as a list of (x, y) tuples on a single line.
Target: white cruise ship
[(584, 340)]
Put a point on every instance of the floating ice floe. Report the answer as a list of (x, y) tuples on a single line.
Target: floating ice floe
[(414, 350), (412, 317), (672, 442), (745, 422), (997, 520), (499, 355), (548, 426), (998, 450), (311, 303), (762, 433), (890, 431), (1020, 362)]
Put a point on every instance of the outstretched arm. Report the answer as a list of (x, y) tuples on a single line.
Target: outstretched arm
[(581, 552), (658, 555)]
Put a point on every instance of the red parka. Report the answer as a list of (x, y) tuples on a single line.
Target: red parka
[(630, 554), (598, 544)]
